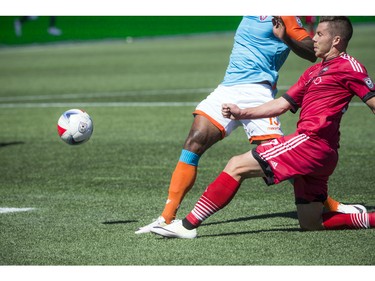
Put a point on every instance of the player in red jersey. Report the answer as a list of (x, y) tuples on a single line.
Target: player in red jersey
[(310, 155), (261, 46)]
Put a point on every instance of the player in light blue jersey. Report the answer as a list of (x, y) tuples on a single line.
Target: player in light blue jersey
[(261, 46), (257, 53)]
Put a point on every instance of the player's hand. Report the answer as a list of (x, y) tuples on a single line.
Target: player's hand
[(231, 111), (279, 29)]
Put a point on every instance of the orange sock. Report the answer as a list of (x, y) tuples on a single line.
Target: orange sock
[(182, 181), (331, 204)]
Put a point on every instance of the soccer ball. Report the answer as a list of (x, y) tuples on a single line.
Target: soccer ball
[(75, 126)]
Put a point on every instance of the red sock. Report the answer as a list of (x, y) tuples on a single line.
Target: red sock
[(217, 195), (334, 220)]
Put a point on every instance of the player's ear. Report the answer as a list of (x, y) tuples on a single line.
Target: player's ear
[(339, 43), (336, 40)]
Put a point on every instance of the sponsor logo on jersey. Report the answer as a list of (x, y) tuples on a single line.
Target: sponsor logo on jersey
[(317, 80), (263, 18), (271, 142), (274, 164)]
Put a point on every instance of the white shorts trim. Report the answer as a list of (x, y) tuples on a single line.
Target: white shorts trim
[(246, 95)]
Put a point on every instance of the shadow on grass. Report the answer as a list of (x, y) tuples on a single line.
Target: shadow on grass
[(294, 229), (292, 215), (4, 144), (119, 222)]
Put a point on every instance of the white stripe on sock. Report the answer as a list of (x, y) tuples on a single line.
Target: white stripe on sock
[(360, 220), (204, 208)]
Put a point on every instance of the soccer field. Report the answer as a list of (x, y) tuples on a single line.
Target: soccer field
[(85, 202)]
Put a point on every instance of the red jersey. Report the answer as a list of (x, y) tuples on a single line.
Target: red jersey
[(323, 93)]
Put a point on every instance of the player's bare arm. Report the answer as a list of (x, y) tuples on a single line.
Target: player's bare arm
[(270, 109), (371, 104), (303, 48)]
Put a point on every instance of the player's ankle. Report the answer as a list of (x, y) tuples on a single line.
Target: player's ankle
[(187, 224)]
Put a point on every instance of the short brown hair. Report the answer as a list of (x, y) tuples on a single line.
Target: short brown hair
[(340, 26)]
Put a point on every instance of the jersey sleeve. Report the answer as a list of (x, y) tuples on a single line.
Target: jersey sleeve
[(296, 93), (294, 28), (359, 83)]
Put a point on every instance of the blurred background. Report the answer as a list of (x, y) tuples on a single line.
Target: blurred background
[(18, 30)]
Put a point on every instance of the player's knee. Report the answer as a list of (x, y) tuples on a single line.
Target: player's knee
[(310, 216), (195, 141), (243, 166), (236, 167), (309, 225), (199, 141), (233, 164)]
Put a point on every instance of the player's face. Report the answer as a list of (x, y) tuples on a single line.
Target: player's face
[(323, 41)]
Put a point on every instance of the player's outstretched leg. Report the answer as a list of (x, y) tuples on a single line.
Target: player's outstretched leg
[(333, 221), (182, 181), (217, 195)]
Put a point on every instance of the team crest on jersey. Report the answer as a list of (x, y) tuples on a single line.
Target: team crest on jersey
[(299, 22), (369, 83), (323, 70)]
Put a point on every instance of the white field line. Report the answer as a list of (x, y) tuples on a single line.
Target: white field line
[(101, 95), (14, 210), (97, 104), (23, 101), (134, 93), (113, 104)]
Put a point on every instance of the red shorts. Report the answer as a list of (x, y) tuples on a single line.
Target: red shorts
[(306, 159)]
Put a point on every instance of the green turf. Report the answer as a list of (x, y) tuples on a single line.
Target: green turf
[(83, 28), (113, 27), (90, 199)]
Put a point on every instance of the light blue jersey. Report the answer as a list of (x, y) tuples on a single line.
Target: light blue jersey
[(257, 55)]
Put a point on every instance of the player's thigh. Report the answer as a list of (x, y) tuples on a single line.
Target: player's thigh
[(210, 109), (310, 215), (244, 166), (203, 133)]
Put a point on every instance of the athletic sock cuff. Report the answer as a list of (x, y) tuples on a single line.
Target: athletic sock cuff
[(189, 157), (189, 225)]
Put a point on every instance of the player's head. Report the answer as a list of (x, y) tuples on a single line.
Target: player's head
[(332, 36), (339, 26)]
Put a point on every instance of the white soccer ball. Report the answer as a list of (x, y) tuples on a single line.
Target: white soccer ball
[(75, 126)]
